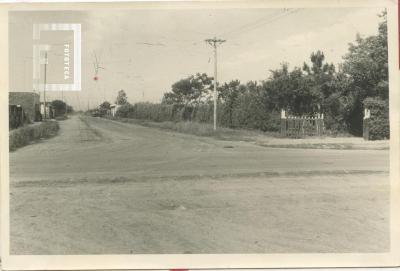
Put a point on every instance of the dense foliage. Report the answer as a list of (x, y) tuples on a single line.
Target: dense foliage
[(61, 108), (122, 98), (378, 123), (104, 108), (366, 66), (190, 90)]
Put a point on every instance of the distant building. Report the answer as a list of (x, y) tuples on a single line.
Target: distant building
[(49, 110), (29, 102), (114, 108)]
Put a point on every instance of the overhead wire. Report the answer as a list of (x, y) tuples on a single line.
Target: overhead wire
[(226, 34), (259, 23), (232, 34)]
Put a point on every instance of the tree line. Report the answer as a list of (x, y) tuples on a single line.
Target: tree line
[(318, 86), (340, 92)]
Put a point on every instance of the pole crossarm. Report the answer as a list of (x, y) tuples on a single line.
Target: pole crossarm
[(214, 42)]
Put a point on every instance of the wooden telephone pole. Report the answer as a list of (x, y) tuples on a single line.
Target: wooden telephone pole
[(214, 43), (44, 85)]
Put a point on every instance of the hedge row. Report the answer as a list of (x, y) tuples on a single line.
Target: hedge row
[(249, 116), (247, 112), (26, 134), (379, 121)]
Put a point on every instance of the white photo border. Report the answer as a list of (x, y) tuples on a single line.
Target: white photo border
[(203, 261)]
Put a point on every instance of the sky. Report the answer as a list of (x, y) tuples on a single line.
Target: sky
[(145, 51)]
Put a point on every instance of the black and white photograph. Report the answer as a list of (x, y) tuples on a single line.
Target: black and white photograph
[(203, 129)]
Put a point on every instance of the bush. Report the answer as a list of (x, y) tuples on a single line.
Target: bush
[(251, 113), (25, 135), (378, 123), (123, 111), (336, 114)]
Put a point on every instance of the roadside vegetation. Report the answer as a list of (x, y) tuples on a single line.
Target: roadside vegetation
[(265, 139), (28, 131), (340, 92), (61, 109), (198, 129), (32, 133)]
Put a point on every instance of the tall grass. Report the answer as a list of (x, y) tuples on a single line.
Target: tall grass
[(199, 129), (27, 134)]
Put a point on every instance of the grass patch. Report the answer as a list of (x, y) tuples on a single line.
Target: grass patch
[(27, 134), (200, 129)]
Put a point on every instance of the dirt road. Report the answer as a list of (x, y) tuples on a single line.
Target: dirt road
[(107, 187)]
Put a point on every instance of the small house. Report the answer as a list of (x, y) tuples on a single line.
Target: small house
[(49, 110), (114, 108), (28, 102)]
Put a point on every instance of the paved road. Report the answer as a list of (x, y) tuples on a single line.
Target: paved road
[(107, 187)]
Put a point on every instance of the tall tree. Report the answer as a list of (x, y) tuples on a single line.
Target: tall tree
[(104, 108), (320, 76), (366, 65), (190, 90), (290, 90), (122, 98), (60, 107)]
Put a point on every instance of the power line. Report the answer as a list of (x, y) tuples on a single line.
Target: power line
[(259, 23), (248, 24)]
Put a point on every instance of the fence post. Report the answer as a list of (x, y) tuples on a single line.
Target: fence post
[(322, 124), (317, 125), (367, 115), (283, 123)]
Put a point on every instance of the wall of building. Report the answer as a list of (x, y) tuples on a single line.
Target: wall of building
[(29, 102)]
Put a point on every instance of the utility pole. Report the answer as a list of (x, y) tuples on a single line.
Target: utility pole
[(214, 43), (44, 86)]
